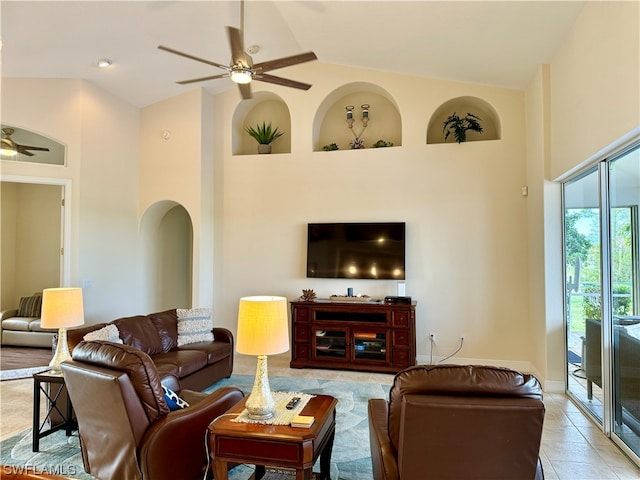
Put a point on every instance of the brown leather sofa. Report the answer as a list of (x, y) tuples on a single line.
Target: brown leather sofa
[(197, 365), (127, 431), (458, 422)]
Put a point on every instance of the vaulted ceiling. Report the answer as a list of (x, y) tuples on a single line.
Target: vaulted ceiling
[(497, 43)]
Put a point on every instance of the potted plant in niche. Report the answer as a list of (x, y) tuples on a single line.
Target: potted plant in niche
[(264, 134), (459, 126)]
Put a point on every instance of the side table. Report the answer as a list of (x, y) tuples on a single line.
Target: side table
[(40, 380), (275, 445)]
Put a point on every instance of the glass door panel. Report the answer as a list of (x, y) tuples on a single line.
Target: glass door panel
[(370, 345), (582, 291), (624, 197), (330, 344)]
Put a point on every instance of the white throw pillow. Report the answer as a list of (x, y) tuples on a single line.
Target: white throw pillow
[(109, 333), (195, 325)]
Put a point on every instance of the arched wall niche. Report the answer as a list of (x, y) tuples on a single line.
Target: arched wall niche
[(263, 107), (330, 122), (462, 105), (54, 155), (167, 235)]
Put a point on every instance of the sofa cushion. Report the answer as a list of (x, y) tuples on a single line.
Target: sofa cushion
[(194, 325), (35, 325), (30, 306), (140, 332), (184, 362), (19, 324), (166, 324), (215, 351)]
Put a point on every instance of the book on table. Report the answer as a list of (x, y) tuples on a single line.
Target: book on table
[(302, 421)]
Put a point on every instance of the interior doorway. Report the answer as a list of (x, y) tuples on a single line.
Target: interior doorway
[(31, 238)]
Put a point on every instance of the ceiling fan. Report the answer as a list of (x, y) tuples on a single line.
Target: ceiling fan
[(242, 69), (11, 149)]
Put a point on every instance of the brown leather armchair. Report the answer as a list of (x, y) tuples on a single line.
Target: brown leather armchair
[(458, 422), (126, 429)]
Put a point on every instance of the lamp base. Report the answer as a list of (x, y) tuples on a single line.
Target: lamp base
[(260, 403), (62, 351)]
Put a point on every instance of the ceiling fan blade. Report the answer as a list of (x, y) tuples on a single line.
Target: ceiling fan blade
[(285, 82), (21, 150), (27, 147), (202, 79), (285, 61), (197, 59), (238, 55), (245, 91)]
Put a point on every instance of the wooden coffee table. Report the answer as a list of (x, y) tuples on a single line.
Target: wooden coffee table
[(275, 445)]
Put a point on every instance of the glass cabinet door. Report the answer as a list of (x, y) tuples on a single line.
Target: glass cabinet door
[(370, 345), (330, 344)]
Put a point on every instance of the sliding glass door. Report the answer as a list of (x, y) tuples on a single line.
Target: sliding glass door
[(602, 311)]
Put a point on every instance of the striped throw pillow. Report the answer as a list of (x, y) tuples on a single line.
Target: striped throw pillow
[(195, 325), (30, 306)]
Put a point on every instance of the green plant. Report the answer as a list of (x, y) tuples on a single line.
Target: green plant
[(264, 134), (330, 147), (382, 143), (459, 126), (621, 301)]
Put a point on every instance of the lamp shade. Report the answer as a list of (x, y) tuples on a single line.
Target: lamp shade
[(263, 326), (62, 308)]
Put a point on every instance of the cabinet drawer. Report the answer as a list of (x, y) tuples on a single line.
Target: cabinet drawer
[(301, 333), (401, 358), (300, 314), (301, 352), (400, 337), (400, 319)]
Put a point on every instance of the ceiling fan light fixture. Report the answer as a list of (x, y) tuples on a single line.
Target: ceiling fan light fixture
[(8, 152), (241, 75)]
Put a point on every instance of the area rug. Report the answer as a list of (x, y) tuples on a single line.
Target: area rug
[(20, 373), (350, 459)]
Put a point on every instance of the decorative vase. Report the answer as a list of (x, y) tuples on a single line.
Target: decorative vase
[(264, 148)]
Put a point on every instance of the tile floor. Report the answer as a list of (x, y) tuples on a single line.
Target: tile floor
[(573, 448)]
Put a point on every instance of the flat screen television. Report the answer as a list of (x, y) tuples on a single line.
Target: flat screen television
[(356, 250)]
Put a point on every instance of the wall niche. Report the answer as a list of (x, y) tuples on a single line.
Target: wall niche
[(490, 121), (263, 107), (330, 122)]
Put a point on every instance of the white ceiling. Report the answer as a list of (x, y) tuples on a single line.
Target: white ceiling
[(495, 43)]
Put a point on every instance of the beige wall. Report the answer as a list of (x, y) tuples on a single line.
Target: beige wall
[(595, 84)]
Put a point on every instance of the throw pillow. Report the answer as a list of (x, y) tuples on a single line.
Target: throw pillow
[(108, 334), (174, 402), (30, 306), (195, 325)]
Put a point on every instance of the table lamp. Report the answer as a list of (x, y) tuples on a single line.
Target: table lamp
[(61, 308), (262, 330)]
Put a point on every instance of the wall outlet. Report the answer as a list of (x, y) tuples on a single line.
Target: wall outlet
[(432, 337)]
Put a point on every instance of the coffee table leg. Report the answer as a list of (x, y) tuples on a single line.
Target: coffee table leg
[(260, 471), (325, 458), (220, 470)]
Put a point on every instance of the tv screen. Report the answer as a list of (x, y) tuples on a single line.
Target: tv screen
[(356, 250)]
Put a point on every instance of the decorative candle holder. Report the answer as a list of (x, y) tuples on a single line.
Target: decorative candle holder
[(357, 142)]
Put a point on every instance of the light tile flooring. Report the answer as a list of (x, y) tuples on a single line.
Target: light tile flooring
[(573, 448)]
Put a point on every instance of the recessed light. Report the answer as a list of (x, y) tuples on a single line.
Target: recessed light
[(104, 62)]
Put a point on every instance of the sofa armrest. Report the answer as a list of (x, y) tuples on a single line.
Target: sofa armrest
[(383, 454), (182, 434), (11, 312), (222, 335)]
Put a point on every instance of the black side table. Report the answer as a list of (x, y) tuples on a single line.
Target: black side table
[(53, 395)]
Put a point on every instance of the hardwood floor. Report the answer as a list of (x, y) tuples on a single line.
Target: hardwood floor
[(12, 358)]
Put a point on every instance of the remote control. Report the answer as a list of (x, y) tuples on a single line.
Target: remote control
[(292, 403)]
